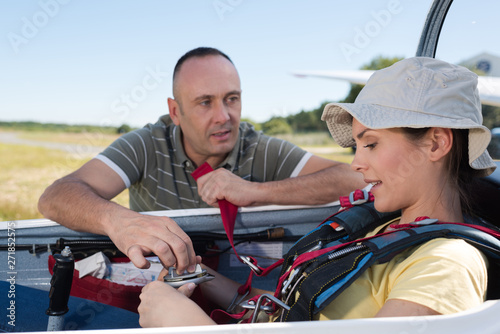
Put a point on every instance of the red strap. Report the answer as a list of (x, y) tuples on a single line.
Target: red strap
[(357, 196), (228, 211), (228, 214), (477, 227), (304, 257), (222, 317), (202, 170)]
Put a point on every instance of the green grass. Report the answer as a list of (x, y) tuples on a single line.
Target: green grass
[(26, 171), (314, 139), (321, 144), (86, 138)]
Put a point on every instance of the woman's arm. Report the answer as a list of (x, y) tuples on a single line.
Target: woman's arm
[(163, 306), (222, 290), (402, 308)]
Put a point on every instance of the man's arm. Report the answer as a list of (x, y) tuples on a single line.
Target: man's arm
[(81, 201), (320, 181)]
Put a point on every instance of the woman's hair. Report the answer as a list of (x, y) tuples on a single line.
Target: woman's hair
[(462, 175)]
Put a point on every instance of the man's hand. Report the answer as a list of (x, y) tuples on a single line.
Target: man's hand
[(320, 181), (222, 184), (142, 234), (81, 201)]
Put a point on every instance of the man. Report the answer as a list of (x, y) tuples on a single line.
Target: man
[(156, 163)]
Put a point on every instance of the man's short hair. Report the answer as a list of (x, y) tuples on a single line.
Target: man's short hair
[(199, 52)]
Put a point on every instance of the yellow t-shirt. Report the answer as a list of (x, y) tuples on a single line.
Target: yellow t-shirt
[(446, 275)]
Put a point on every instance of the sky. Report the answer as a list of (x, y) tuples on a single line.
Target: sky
[(110, 62)]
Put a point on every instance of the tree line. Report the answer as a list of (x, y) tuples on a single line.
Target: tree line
[(304, 121), (310, 121), (59, 127)]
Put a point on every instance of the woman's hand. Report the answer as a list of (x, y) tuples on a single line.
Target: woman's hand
[(163, 306)]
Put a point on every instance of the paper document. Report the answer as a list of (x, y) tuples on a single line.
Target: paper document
[(266, 253)]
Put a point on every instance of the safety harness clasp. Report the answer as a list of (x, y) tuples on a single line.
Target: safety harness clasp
[(260, 306), (249, 262), (359, 199)]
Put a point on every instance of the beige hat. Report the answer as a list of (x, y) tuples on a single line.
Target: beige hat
[(417, 92)]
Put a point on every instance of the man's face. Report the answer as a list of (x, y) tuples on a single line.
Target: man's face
[(207, 107)]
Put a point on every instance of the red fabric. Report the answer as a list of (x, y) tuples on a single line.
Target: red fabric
[(103, 291), (228, 211), (228, 214), (222, 317), (358, 194), (119, 295)]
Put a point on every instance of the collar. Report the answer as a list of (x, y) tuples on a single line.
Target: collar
[(175, 133), (230, 163), (180, 155)]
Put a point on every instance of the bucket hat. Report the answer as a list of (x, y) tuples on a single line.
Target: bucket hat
[(417, 92)]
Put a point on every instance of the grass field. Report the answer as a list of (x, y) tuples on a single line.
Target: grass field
[(90, 138), (27, 170)]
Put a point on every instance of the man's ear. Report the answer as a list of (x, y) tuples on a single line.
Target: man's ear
[(174, 110), (441, 142)]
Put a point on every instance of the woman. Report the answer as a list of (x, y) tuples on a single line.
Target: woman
[(420, 142)]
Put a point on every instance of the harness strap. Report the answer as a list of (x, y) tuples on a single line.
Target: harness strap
[(228, 215), (359, 196), (222, 317), (306, 257), (228, 210), (326, 279)]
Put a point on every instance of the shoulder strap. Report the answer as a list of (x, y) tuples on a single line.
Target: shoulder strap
[(343, 226), (324, 277)]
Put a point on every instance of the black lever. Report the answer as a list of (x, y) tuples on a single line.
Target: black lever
[(60, 288)]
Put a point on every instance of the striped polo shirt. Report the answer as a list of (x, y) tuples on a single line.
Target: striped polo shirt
[(152, 163)]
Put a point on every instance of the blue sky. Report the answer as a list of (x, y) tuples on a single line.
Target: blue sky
[(110, 62)]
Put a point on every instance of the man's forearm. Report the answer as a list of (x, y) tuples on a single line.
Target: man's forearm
[(74, 204), (321, 187)]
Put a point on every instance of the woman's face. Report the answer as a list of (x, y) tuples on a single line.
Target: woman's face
[(396, 168)]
